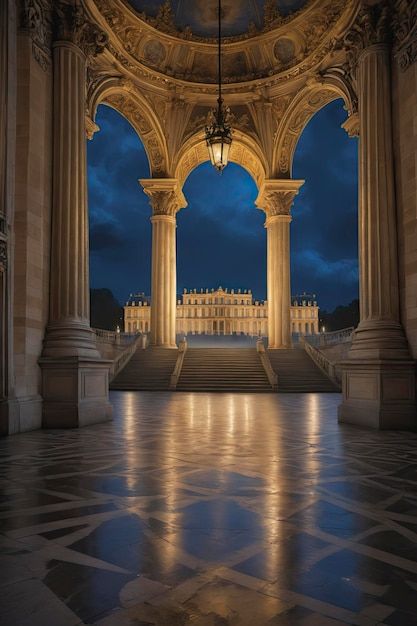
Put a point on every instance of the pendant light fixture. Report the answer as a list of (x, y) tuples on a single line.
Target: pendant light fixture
[(218, 129)]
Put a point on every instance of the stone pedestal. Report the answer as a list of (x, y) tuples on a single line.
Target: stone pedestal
[(276, 198), (166, 199), (379, 376), (76, 390), (75, 379), (379, 394)]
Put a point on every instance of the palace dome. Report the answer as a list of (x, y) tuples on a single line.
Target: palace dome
[(239, 16)]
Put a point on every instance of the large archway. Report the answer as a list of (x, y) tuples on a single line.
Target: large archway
[(221, 254), (324, 239), (120, 231)]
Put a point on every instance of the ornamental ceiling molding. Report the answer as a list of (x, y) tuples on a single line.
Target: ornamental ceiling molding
[(315, 95), (244, 151), (405, 32), (285, 49)]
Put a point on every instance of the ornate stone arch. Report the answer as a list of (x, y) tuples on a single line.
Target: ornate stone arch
[(315, 95), (244, 151), (122, 95)]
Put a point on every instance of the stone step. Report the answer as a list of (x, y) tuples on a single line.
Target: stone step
[(147, 370), (297, 373), (223, 369)]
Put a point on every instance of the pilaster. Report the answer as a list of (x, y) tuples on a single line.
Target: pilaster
[(276, 198), (166, 199)]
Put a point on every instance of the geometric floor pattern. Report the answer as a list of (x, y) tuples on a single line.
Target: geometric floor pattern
[(210, 510)]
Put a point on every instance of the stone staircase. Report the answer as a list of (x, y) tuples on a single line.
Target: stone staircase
[(147, 370), (297, 373), (223, 369)]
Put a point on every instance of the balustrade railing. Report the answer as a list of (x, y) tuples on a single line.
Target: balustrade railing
[(175, 376), (332, 370), (118, 347), (330, 339), (114, 337), (123, 358), (263, 354)]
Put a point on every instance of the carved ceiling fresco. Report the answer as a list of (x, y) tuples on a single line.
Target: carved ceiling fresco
[(239, 16), (298, 40)]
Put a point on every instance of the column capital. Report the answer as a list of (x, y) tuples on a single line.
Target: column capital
[(165, 195), (72, 24), (276, 197), (372, 27)]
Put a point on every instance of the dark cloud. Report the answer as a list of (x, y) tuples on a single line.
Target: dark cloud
[(221, 238), (325, 218), (106, 236)]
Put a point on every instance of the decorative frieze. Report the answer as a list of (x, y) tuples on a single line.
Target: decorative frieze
[(405, 32)]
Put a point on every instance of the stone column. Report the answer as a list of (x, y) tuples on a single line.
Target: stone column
[(276, 198), (166, 199), (379, 379), (75, 379)]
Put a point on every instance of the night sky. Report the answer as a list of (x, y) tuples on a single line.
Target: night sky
[(221, 239)]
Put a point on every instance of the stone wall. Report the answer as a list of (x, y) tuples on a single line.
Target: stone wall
[(405, 146)]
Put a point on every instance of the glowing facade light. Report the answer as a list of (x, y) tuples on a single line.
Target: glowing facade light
[(218, 129)]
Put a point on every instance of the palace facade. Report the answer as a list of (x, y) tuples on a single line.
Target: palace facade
[(223, 312)]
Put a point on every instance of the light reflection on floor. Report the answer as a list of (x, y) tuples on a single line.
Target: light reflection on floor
[(211, 510)]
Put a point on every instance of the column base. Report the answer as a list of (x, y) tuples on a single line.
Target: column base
[(279, 347), (75, 392), (379, 394), (19, 415), (379, 340), (70, 338)]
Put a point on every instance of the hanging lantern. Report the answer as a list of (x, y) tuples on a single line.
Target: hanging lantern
[(218, 129)]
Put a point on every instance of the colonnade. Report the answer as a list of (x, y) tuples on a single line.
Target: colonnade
[(379, 376), (166, 198)]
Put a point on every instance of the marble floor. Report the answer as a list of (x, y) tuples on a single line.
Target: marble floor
[(210, 510)]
